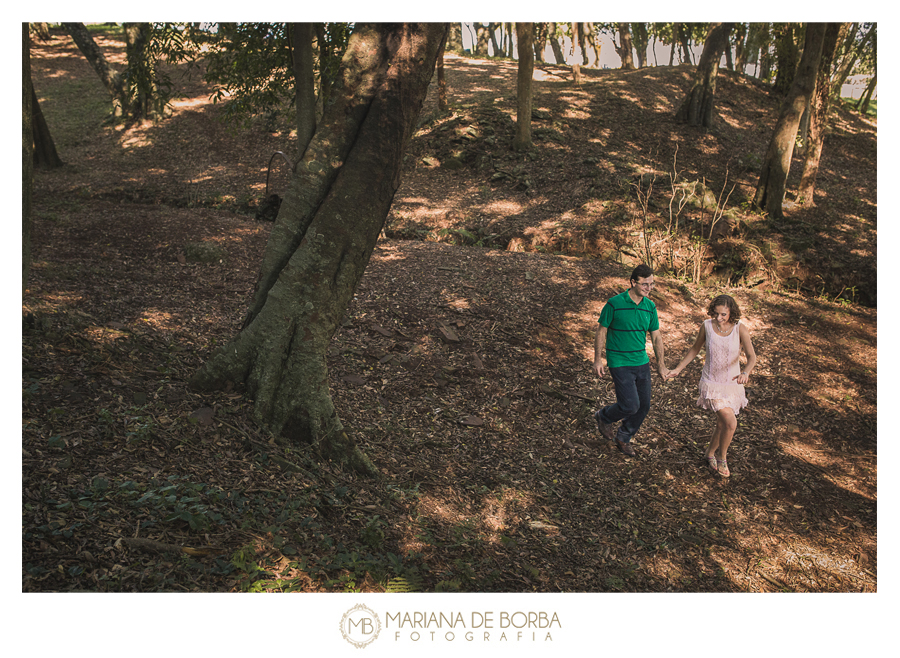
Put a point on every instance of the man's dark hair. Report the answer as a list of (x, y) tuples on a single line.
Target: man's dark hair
[(641, 272)]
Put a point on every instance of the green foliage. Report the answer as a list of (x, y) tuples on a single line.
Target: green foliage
[(249, 65)]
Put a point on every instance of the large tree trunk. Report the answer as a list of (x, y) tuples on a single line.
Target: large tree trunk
[(697, 108), (45, 155), (770, 190), (625, 47), (27, 158), (524, 35), (302, 36), (819, 107), (330, 219)]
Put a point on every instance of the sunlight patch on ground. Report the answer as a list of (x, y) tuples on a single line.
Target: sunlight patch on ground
[(503, 207), (572, 113)]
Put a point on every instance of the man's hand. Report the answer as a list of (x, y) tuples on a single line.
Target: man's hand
[(599, 368), (664, 372)]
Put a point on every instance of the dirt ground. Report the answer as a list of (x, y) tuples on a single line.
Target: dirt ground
[(463, 370)]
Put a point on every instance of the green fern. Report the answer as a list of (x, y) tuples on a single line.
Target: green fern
[(399, 585)]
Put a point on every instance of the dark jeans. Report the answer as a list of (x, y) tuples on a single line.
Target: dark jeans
[(632, 400)]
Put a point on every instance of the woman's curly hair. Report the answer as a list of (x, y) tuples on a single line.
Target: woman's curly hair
[(734, 313)]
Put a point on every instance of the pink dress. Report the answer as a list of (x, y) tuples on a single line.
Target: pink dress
[(717, 386)]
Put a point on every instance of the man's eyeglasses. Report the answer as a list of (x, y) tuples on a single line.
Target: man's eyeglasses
[(646, 286)]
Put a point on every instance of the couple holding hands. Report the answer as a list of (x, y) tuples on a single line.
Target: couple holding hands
[(624, 323)]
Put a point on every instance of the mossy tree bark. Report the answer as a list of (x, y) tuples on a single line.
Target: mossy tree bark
[(697, 108), (770, 190), (332, 213)]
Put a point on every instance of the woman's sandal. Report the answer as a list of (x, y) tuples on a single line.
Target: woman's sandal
[(723, 468), (711, 462)]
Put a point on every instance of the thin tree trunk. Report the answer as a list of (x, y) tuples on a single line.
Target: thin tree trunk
[(302, 35), (540, 42), (481, 42), (141, 92), (697, 108), (524, 36), (866, 98), (576, 55), (95, 57), (331, 217), (454, 39), (492, 33), (770, 190), (443, 104), (787, 54), (641, 39), (740, 48), (590, 38), (555, 46), (819, 108)]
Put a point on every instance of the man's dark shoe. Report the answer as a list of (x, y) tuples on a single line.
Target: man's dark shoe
[(606, 429), (625, 447)]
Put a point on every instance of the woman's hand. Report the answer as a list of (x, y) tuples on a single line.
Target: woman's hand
[(743, 378), (673, 373)]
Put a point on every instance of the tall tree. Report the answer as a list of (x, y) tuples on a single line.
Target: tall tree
[(483, 36), (454, 38), (443, 103), (740, 47), (112, 80), (27, 157), (866, 98), (302, 36), (576, 55), (624, 47), (332, 214), (590, 43), (817, 114), (540, 41), (697, 108), (136, 92), (524, 36), (770, 190), (555, 34), (641, 38), (787, 55)]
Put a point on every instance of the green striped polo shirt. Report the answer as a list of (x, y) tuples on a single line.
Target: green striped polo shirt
[(628, 324)]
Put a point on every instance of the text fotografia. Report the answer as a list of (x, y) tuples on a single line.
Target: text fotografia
[(480, 626)]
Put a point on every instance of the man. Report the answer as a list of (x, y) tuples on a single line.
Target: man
[(624, 323)]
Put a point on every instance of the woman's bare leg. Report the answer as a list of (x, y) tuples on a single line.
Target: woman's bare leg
[(726, 424)]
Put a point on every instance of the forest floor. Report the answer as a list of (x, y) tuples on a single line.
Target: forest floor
[(463, 370)]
